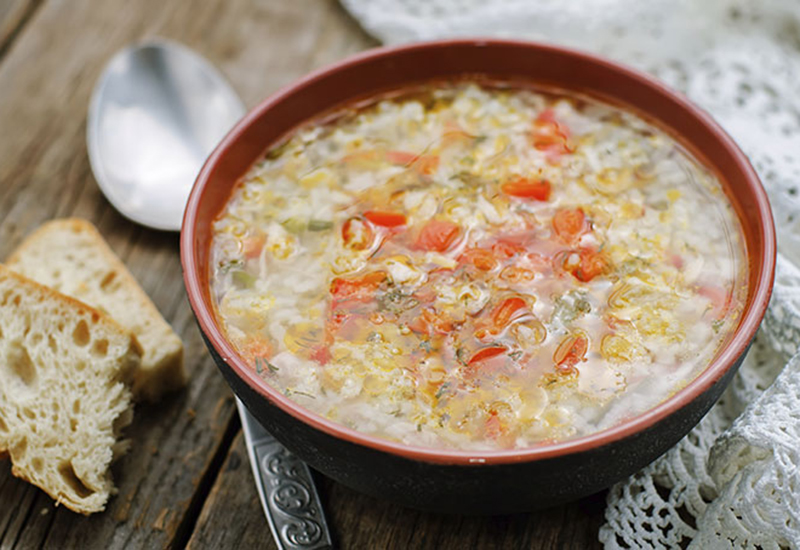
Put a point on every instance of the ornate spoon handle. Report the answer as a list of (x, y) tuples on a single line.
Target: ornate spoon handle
[(286, 490)]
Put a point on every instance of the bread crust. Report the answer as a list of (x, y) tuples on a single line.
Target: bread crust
[(162, 368), (73, 467)]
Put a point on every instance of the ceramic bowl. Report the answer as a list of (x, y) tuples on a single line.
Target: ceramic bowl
[(467, 481)]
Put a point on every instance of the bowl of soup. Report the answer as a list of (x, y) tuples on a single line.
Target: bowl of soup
[(478, 276)]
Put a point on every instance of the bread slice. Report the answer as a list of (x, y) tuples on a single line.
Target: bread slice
[(63, 393), (70, 256)]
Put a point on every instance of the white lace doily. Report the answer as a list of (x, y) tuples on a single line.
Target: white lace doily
[(734, 481)]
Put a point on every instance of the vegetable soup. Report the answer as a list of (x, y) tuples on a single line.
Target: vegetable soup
[(475, 266)]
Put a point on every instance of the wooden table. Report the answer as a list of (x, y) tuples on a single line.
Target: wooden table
[(186, 480)]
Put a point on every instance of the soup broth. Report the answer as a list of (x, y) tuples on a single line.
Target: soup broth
[(478, 267)]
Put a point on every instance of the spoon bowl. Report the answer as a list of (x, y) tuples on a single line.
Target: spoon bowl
[(156, 113)]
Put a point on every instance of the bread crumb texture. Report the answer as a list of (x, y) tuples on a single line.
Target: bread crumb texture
[(70, 256), (64, 374)]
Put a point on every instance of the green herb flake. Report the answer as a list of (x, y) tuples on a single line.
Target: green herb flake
[(227, 265), (717, 325), (243, 279), (442, 389), (515, 355), (319, 225), (298, 392), (262, 364), (425, 346), (396, 301), (294, 225), (571, 306)]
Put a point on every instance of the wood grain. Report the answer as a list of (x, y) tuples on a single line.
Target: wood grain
[(186, 479), (232, 518), (14, 14)]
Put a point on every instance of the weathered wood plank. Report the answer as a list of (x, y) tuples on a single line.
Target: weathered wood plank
[(14, 15), (230, 522), (44, 173), (232, 518)]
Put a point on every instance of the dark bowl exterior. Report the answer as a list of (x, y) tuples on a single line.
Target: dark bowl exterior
[(492, 481), (480, 489)]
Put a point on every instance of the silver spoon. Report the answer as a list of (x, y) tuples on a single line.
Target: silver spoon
[(156, 113)]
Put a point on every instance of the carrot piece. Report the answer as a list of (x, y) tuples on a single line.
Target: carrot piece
[(384, 218), (486, 353), (525, 188), (506, 311)]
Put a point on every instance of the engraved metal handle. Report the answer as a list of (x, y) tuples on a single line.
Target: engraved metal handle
[(286, 490)]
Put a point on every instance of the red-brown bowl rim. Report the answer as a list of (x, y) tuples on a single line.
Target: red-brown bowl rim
[(199, 297)]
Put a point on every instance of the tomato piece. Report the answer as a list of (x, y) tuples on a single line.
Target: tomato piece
[(525, 188), (569, 224), (537, 261), (425, 295), (251, 246), (424, 164), (385, 219), (720, 299), (506, 311), (494, 427), (357, 234), (360, 289), (400, 157), (480, 258), (506, 250), (321, 354), (486, 353), (676, 260), (547, 116), (257, 346), (454, 133), (369, 159), (428, 322), (550, 136), (438, 235), (554, 145), (592, 264), (570, 352), (585, 264), (515, 275)]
